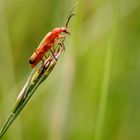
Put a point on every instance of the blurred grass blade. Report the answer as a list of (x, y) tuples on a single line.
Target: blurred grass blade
[(106, 73), (35, 79)]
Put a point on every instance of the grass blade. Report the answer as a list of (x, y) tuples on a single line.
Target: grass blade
[(35, 79)]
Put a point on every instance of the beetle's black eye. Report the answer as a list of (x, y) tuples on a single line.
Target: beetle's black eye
[(65, 31)]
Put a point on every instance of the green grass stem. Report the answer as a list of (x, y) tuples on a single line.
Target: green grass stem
[(35, 79)]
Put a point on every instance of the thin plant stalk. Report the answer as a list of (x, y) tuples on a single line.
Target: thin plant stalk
[(36, 77)]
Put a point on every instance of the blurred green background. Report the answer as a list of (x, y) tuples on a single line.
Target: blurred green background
[(94, 91)]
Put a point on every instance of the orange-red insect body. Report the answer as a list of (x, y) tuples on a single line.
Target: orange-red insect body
[(48, 42), (46, 45)]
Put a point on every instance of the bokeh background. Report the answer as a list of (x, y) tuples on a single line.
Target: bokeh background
[(94, 91)]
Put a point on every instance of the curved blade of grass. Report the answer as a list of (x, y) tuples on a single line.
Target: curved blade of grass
[(35, 79)]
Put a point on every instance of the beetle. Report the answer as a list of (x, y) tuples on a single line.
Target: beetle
[(49, 40)]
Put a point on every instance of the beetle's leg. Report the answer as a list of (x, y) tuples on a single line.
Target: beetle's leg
[(45, 56), (42, 60), (58, 41), (43, 63), (62, 44), (53, 48), (61, 36), (53, 54)]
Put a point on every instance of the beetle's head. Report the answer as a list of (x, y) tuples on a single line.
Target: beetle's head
[(59, 30), (65, 30)]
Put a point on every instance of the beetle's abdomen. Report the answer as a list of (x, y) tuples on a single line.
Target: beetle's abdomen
[(36, 57)]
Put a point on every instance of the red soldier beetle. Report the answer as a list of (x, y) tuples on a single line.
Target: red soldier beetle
[(49, 40)]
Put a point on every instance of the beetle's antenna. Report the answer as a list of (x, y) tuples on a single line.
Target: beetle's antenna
[(70, 14)]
